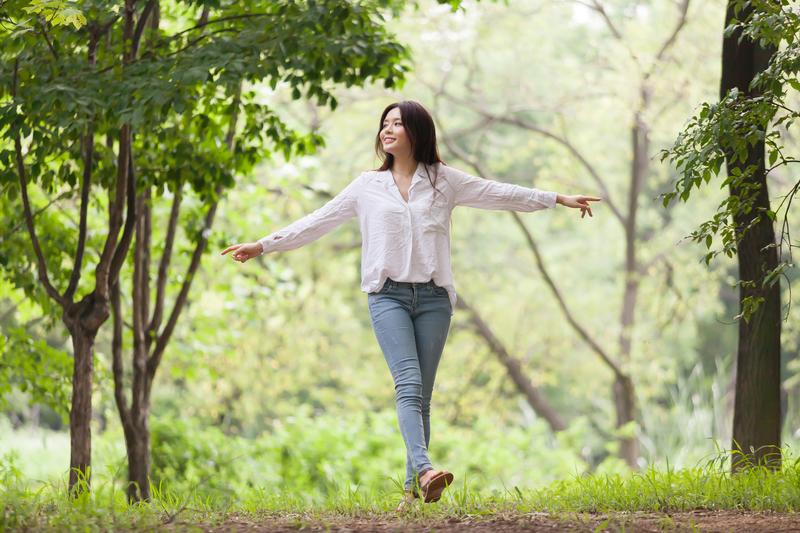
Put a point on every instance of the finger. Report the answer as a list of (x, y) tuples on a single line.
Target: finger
[(229, 248)]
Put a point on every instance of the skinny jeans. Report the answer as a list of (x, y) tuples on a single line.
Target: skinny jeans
[(411, 321)]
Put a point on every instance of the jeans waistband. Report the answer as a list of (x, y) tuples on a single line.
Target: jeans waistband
[(392, 283)]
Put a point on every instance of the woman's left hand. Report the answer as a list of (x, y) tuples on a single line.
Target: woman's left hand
[(579, 201)]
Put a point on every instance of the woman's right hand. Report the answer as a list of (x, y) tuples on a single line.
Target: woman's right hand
[(243, 252)]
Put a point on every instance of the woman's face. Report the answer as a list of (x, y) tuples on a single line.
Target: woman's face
[(393, 135)]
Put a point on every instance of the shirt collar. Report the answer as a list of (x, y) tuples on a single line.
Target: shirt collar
[(418, 174)]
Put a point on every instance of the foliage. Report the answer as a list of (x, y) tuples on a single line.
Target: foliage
[(180, 81), (186, 455), (54, 12), (33, 366), (737, 122)]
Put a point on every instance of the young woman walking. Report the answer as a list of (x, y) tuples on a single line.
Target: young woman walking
[(404, 210)]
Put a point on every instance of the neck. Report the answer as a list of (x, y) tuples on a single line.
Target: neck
[(404, 166)]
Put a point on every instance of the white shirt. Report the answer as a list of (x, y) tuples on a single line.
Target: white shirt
[(406, 241)]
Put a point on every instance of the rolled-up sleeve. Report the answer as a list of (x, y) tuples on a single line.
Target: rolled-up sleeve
[(474, 191), (314, 225)]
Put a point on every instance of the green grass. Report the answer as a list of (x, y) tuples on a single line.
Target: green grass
[(709, 486)]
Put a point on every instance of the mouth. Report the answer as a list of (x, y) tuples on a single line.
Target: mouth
[(389, 140)]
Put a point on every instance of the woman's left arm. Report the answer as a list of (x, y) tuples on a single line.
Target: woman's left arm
[(474, 191)]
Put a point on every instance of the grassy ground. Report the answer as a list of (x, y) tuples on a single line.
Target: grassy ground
[(706, 498)]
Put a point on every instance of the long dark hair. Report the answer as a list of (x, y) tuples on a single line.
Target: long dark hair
[(421, 132)]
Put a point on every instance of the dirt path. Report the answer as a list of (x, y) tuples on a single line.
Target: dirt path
[(716, 521)]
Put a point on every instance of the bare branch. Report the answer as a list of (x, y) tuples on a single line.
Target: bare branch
[(132, 215), (162, 340), (683, 9), (139, 388), (563, 141), (532, 394), (597, 6), (112, 256), (551, 284), (116, 357), (562, 303), (163, 265), (202, 23)]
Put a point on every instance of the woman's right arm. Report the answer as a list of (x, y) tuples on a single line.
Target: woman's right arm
[(307, 229)]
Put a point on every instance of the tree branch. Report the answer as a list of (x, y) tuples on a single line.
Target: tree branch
[(116, 357), (47, 39), (163, 265), (163, 338), (112, 255), (88, 162), (140, 26), (551, 284), (23, 180), (534, 397), (139, 396), (132, 215), (19, 224), (683, 9), (546, 133)]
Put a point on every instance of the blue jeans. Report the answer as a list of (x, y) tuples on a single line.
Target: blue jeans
[(411, 322)]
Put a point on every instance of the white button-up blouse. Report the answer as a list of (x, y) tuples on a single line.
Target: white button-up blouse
[(406, 241)]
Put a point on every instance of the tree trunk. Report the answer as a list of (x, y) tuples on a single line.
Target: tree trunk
[(137, 442), (757, 406), (625, 403), (83, 320), (80, 414)]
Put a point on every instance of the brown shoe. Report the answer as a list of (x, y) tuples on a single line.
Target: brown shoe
[(436, 481)]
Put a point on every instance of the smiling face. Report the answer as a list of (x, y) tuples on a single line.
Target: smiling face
[(394, 139)]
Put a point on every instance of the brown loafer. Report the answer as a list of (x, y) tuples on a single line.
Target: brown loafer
[(436, 483)]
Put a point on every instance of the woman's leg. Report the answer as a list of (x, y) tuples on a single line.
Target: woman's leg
[(394, 329), (431, 321)]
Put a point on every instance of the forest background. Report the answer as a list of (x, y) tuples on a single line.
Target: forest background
[(273, 377)]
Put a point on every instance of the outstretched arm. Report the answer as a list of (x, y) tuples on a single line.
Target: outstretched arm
[(306, 229), (474, 191)]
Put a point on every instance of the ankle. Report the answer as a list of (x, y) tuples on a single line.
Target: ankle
[(425, 474)]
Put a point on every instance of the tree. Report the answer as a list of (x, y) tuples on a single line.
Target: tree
[(743, 130), (645, 112), (160, 113)]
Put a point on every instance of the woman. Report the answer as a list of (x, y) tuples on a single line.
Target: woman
[(404, 213)]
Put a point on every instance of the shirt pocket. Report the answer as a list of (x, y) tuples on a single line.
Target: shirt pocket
[(436, 216)]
